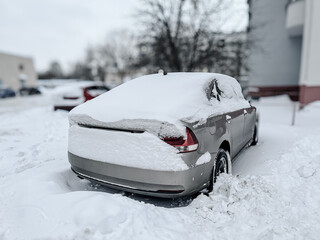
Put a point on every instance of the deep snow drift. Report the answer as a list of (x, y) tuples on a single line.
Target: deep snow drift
[(273, 194)]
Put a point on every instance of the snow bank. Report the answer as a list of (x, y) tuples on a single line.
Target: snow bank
[(41, 198), (205, 158), (282, 205), (31, 137), (167, 98), (140, 150)]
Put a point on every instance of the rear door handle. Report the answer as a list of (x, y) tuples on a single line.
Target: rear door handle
[(245, 112), (228, 118)]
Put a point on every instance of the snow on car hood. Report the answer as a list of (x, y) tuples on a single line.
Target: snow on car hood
[(163, 99)]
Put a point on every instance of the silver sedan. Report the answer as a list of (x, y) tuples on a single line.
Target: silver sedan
[(162, 135)]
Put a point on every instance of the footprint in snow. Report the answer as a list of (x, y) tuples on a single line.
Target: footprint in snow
[(305, 172)]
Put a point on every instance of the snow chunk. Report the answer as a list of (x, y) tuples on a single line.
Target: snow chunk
[(306, 172), (140, 150), (205, 158), (154, 127)]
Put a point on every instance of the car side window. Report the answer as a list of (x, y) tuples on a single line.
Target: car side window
[(213, 90)]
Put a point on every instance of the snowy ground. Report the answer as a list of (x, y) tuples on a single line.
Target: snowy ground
[(273, 194)]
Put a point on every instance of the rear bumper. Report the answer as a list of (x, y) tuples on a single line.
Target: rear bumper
[(167, 184)]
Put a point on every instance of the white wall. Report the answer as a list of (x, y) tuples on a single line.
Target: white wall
[(310, 67), (275, 55), (10, 73), (296, 18)]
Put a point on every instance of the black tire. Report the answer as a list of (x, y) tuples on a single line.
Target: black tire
[(255, 137), (221, 166)]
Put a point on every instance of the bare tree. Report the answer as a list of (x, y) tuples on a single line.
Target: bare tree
[(87, 68), (54, 71), (179, 35), (231, 56), (117, 54)]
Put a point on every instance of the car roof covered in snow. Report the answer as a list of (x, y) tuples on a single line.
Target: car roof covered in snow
[(169, 98)]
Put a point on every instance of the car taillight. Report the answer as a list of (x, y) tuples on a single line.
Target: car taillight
[(184, 145), (87, 95)]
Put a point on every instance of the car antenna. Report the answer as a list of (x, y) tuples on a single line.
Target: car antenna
[(161, 71)]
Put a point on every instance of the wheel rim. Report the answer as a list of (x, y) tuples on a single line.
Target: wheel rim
[(221, 166)]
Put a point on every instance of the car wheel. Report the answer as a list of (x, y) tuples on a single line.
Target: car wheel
[(255, 137), (223, 160)]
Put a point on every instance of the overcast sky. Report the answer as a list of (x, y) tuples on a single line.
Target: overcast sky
[(61, 29)]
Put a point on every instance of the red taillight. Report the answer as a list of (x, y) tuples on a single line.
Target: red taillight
[(188, 145), (174, 141), (87, 95)]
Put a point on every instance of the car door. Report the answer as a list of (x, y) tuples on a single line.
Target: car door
[(235, 122), (249, 123)]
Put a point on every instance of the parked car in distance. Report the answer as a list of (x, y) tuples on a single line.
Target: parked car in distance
[(6, 92), (77, 93), (27, 91), (162, 135)]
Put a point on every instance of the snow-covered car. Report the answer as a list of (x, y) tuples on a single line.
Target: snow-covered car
[(74, 94), (162, 135), (6, 92), (27, 91)]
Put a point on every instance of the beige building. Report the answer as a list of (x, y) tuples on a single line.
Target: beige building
[(17, 71)]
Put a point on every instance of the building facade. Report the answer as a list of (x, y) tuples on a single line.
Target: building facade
[(17, 72), (284, 36)]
